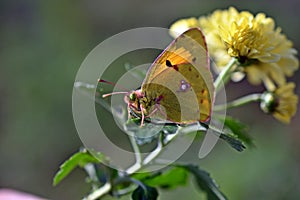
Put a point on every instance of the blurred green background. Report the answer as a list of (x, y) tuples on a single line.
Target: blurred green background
[(42, 46)]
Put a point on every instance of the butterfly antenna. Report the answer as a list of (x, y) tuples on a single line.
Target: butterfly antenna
[(104, 81), (113, 93), (113, 84)]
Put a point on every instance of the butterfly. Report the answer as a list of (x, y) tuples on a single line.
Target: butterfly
[(178, 86)]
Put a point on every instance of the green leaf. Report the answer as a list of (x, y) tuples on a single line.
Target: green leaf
[(169, 179), (170, 129), (78, 159), (149, 131), (230, 138), (144, 192), (141, 176), (145, 134), (233, 141), (239, 129), (205, 182)]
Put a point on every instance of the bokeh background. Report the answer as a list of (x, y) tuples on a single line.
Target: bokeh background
[(42, 46)]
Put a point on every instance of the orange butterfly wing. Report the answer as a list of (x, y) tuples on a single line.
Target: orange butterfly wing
[(180, 76), (189, 45)]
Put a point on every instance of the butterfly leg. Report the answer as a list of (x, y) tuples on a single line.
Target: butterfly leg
[(128, 111), (157, 108), (162, 112), (153, 112), (143, 116)]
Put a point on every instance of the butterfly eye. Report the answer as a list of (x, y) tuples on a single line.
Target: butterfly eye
[(132, 96)]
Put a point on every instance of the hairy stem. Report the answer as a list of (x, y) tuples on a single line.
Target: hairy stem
[(99, 192), (148, 159), (224, 74), (239, 102), (138, 159), (154, 153)]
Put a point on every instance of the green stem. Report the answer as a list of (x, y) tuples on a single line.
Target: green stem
[(239, 102), (138, 159), (149, 158), (224, 74), (134, 168), (99, 192), (154, 153)]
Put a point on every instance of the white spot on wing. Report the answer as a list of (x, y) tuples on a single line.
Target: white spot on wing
[(184, 86)]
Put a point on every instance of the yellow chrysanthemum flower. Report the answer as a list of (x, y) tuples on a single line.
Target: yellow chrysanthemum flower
[(282, 103), (263, 52)]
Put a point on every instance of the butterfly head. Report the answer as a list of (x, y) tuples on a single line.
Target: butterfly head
[(133, 98)]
